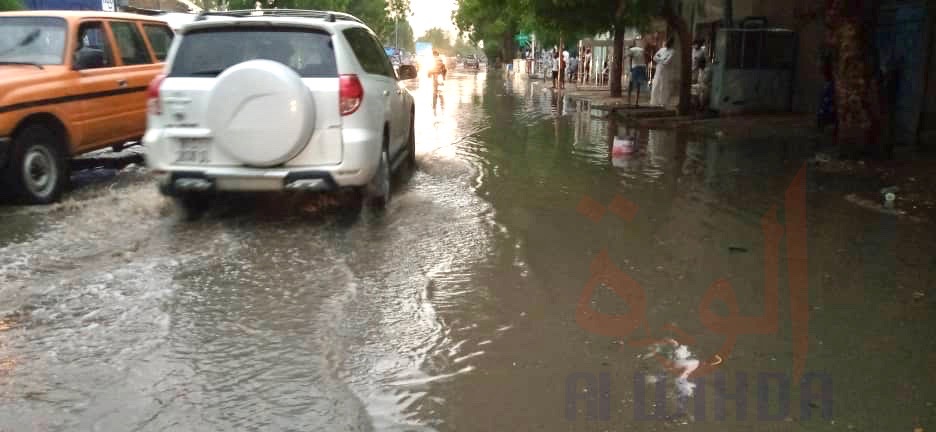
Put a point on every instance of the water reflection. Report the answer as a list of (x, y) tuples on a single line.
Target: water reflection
[(453, 311)]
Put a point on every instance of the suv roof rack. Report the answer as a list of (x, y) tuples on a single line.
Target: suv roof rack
[(328, 16)]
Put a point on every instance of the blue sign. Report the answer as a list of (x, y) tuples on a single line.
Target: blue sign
[(423, 48)]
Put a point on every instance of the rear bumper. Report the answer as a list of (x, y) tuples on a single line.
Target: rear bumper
[(245, 180), (6, 146)]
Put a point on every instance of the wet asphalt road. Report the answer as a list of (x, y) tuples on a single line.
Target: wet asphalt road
[(456, 310)]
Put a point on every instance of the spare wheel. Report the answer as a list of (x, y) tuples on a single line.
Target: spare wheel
[(261, 113)]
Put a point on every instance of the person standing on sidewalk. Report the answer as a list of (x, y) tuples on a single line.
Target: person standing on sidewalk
[(638, 71), (704, 83), (555, 70), (665, 79), (698, 56), (586, 65)]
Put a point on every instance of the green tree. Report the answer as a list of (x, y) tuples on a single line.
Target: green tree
[(403, 33), (493, 23), (464, 47), (440, 39), (10, 5)]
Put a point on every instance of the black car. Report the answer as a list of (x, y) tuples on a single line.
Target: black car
[(472, 62)]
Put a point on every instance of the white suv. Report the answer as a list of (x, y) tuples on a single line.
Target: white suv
[(278, 100)]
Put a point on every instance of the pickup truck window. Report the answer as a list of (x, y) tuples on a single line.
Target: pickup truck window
[(32, 40)]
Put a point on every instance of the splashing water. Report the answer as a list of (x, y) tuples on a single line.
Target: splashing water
[(678, 359)]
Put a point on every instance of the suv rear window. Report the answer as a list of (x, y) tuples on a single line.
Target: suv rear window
[(209, 52)]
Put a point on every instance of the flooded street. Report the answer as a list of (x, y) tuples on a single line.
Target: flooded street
[(459, 309)]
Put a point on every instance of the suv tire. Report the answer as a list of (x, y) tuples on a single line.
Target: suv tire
[(377, 192), (411, 143), (191, 206), (37, 169)]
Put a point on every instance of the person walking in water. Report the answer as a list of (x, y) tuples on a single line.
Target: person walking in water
[(664, 79), (438, 66)]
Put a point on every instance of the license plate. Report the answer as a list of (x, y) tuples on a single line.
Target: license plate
[(193, 151)]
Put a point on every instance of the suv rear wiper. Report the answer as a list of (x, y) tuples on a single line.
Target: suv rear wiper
[(22, 63)]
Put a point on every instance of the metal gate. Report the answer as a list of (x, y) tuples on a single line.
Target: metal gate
[(901, 37)]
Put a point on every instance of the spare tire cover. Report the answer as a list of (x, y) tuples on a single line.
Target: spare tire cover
[(261, 113)]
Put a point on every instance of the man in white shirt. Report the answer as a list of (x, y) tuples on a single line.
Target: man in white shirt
[(638, 70), (698, 55)]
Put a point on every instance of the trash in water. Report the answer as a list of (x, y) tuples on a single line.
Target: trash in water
[(889, 199), (623, 147), (680, 360)]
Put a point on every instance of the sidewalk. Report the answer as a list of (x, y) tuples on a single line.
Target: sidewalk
[(911, 174), (598, 98)]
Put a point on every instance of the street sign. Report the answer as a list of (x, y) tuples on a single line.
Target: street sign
[(522, 39)]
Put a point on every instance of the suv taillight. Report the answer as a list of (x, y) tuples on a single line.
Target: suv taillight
[(153, 105), (351, 94)]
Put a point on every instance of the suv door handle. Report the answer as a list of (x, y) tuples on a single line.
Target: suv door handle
[(121, 83)]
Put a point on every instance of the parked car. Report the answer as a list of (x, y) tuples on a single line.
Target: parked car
[(472, 62), (278, 100), (70, 83)]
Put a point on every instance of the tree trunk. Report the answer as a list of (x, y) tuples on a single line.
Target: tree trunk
[(617, 63), (507, 45), (857, 96), (676, 22), (729, 14)]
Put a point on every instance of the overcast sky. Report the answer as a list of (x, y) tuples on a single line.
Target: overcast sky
[(432, 13)]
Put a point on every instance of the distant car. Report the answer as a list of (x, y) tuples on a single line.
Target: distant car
[(267, 101), (472, 62)]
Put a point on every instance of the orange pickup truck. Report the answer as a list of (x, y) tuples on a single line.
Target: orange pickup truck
[(70, 83)]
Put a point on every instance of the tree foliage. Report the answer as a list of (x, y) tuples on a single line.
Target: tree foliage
[(464, 47), (10, 5), (493, 23), (440, 40), (401, 36)]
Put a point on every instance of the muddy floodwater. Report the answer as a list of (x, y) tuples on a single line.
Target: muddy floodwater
[(462, 307)]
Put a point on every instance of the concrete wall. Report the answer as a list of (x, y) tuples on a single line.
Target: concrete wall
[(799, 16), (751, 91)]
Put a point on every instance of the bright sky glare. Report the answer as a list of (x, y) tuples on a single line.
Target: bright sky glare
[(432, 13)]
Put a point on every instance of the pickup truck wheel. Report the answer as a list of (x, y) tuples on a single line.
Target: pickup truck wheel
[(377, 192), (37, 171)]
